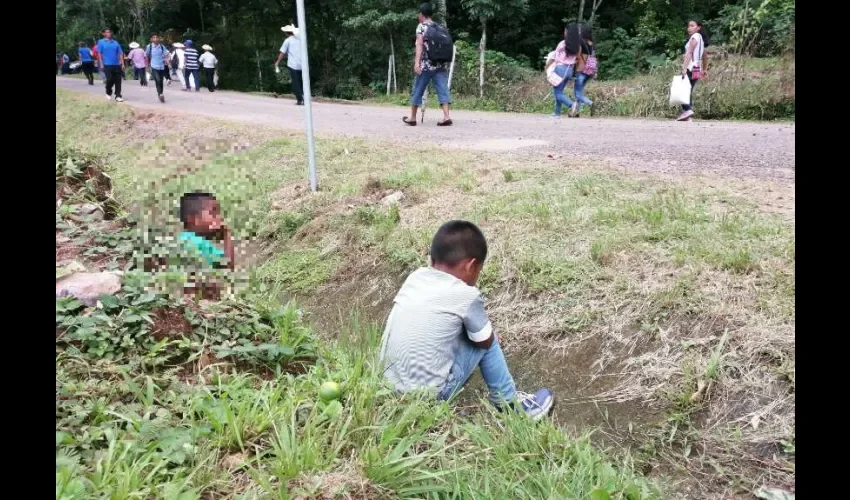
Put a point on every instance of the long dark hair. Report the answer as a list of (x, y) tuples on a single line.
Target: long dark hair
[(703, 31), (572, 38), (587, 33)]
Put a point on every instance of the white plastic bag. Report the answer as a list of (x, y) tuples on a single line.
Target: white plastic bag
[(148, 75), (215, 79), (192, 80), (680, 91)]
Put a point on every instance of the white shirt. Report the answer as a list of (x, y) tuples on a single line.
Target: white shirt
[(208, 60), (181, 58), (292, 48), (431, 314), (696, 60)]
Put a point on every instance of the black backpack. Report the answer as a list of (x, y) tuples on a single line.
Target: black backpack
[(440, 47)]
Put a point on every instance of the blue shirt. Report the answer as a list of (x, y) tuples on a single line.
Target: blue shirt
[(158, 54), (85, 54), (201, 247), (110, 52)]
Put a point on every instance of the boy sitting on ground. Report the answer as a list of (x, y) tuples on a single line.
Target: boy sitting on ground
[(203, 224), (438, 332)]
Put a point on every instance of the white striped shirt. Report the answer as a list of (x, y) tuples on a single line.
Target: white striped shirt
[(191, 56), (430, 314)]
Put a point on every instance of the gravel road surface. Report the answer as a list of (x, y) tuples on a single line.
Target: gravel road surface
[(746, 149)]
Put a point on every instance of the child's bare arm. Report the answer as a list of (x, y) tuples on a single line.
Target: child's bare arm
[(228, 248)]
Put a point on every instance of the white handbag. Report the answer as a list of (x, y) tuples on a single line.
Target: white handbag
[(680, 91)]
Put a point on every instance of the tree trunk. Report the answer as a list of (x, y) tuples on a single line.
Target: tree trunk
[(442, 16), (392, 67), (580, 10), (201, 14), (596, 4), (392, 51), (482, 48)]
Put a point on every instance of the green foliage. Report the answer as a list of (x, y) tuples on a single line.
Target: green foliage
[(163, 330)]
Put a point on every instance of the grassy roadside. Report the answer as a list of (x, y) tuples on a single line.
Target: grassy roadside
[(672, 298), (169, 398)]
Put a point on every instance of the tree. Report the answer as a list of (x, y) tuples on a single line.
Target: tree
[(386, 17), (485, 10)]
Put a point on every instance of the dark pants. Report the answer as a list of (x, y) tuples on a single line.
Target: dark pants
[(158, 76), (114, 75), (297, 84), (688, 107), (196, 74), (88, 70), (209, 76), (141, 75)]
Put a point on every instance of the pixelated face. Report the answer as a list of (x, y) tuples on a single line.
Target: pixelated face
[(208, 219), (154, 39), (107, 34)]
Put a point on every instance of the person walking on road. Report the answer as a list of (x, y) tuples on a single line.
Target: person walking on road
[(87, 61), (694, 63), (191, 66), (96, 57), (291, 50), (178, 61), (111, 61), (564, 60), (434, 52), (209, 63), (584, 71), (156, 58), (138, 59)]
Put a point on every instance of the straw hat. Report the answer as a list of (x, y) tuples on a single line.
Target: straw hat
[(289, 29), (177, 45), (134, 45), (206, 47)]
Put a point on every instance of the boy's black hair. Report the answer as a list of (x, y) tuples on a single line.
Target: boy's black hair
[(191, 204), (426, 10), (456, 241)]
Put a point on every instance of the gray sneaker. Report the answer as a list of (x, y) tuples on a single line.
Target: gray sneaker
[(536, 405)]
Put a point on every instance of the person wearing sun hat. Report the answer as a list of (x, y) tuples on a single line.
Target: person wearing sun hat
[(178, 62), (291, 50), (137, 58), (209, 62)]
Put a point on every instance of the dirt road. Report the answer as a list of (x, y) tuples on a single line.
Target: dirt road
[(764, 150)]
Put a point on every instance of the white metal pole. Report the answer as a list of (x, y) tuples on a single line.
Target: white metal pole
[(308, 96)]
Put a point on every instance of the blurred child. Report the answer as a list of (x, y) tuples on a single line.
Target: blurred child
[(203, 226)]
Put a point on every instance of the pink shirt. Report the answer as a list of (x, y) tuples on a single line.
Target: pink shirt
[(561, 56), (137, 55)]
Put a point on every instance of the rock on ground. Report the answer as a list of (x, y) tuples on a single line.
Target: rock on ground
[(88, 287)]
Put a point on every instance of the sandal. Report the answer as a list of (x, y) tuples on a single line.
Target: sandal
[(409, 122), (444, 123)]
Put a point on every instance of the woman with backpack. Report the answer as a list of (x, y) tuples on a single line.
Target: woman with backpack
[(560, 66), (694, 63), (585, 70)]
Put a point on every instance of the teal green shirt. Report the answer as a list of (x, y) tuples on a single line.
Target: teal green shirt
[(202, 247)]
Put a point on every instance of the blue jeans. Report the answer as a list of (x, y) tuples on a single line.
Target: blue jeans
[(560, 98), (494, 369), (441, 83), (196, 74), (581, 81)]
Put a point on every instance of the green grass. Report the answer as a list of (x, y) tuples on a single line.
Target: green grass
[(651, 269), (123, 431)]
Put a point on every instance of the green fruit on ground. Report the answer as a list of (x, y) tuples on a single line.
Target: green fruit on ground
[(330, 391)]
